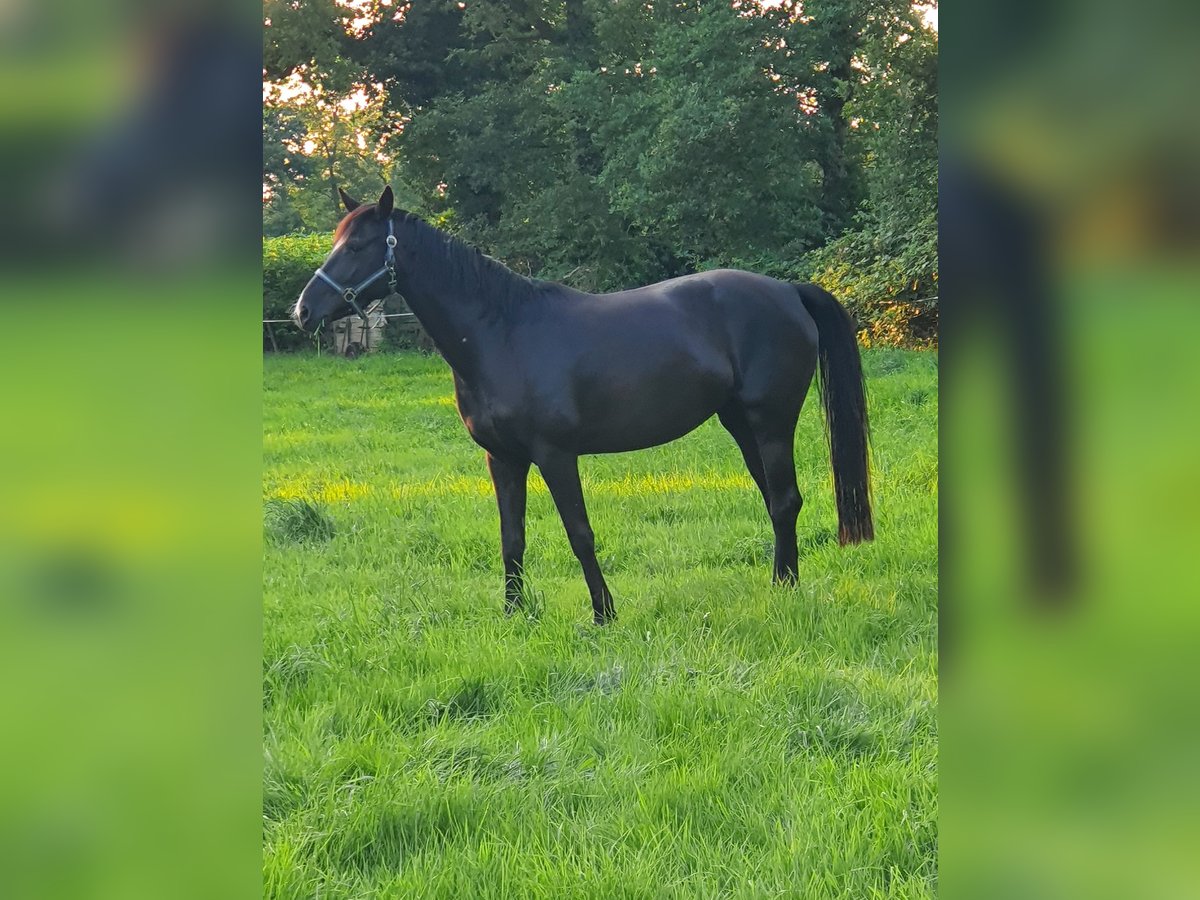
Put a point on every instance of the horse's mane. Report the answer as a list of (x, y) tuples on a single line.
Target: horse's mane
[(467, 272)]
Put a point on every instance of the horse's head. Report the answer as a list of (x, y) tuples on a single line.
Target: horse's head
[(359, 270)]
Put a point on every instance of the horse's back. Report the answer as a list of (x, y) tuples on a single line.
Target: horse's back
[(770, 336), (755, 325), (754, 300)]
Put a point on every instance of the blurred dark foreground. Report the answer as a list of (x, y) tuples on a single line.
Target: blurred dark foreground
[(129, 525), (1070, 251), (129, 578)]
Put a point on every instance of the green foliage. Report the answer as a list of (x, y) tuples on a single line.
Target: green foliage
[(893, 296), (886, 267), (313, 143), (703, 152), (654, 161), (722, 733), (288, 265)]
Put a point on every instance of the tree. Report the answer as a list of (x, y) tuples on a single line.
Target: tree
[(615, 142), (317, 141), (888, 265)]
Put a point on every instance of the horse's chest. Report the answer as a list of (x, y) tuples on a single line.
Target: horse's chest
[(488, 423)]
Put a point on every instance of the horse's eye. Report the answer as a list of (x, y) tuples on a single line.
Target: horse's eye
[(354, 248)]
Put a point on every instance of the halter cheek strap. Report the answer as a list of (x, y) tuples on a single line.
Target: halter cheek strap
[(350, 294)]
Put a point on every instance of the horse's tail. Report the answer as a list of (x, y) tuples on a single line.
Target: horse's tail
[(843, 394)]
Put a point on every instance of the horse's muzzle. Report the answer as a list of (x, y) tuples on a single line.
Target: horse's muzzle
[(302, 316)]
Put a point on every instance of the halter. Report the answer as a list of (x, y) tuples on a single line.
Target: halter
[(350, 294)]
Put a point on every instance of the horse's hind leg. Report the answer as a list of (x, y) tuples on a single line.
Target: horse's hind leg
[(733, 418), (775, 432)]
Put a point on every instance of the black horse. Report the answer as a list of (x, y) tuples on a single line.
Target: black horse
[(544, 373)]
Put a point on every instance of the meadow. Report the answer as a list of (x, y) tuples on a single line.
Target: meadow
[(724, 738)]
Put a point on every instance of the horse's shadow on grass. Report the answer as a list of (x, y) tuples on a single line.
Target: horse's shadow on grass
[(760, 551), (809, 543)]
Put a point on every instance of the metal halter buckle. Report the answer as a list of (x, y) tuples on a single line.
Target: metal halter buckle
[(350, 294)]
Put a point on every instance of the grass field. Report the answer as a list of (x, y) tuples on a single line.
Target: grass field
[(724, 738)]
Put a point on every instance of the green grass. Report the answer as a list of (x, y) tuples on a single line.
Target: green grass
[(724, 738)]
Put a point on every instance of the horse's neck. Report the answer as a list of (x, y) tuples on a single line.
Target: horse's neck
[(452, 311)]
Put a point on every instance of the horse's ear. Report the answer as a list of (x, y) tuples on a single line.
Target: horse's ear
[(386, 202), (347, 201)]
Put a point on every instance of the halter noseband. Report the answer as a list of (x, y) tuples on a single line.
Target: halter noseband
[(350, 294)]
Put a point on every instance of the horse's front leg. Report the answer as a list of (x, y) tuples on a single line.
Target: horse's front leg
[(561, 474), (509, 479)]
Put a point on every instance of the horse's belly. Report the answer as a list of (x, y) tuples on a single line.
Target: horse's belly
[(623, 415), (640, 435)]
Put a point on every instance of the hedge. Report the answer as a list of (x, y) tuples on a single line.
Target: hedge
[(288, 264)]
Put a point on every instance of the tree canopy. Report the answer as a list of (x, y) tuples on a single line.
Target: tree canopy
[(612, 143)]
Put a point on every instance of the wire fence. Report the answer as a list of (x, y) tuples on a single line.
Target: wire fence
[(406, 315), (267, 323), (374, 314)]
